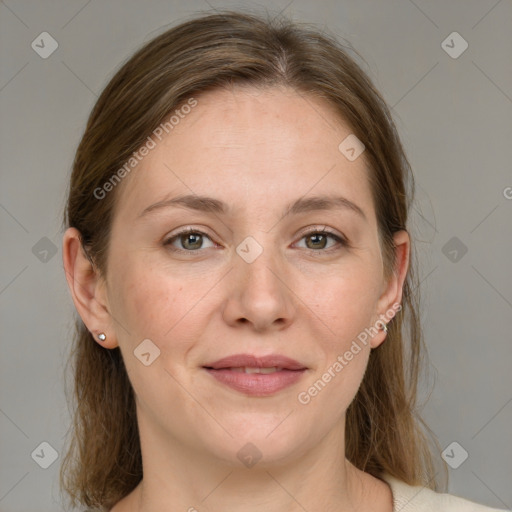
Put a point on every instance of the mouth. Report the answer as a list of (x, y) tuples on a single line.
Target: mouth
[(256, 376), (249, 369)]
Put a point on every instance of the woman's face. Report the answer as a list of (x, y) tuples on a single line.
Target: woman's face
[(255, 277)]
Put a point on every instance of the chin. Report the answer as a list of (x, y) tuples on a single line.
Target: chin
[(264, 445)]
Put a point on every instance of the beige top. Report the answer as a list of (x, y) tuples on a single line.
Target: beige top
[(408, 498)]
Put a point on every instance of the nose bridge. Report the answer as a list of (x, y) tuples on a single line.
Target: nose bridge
[(259, 293), (257, 263)]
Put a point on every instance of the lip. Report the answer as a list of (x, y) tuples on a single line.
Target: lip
[(256, 384), (238, 360)]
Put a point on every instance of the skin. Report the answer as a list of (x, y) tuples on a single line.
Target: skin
[(258, 151)]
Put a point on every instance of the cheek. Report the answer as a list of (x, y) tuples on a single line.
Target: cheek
[(348, 303), (158, 306), (346, 308), (338, 377), (153, 304)]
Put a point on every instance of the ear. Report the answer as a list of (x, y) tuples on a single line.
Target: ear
[(391, 297), (88, 289)]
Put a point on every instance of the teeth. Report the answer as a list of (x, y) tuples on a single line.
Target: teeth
[(248, 369)]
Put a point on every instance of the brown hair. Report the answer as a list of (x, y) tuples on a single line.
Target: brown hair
[(383, 431)]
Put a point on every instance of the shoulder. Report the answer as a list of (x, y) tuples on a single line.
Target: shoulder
[(408, 498)]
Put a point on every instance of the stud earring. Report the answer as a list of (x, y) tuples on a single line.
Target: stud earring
[(385, 328), (102, 336)]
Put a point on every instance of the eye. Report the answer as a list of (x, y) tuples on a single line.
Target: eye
[(318, 239), (190, 239)]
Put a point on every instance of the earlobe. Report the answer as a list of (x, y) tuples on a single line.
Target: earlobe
[(87, 288), (380, 337)]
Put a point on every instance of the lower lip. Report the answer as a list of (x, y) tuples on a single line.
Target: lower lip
[(257, 384)]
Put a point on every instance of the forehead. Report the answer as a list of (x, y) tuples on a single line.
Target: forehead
[(244, 144)]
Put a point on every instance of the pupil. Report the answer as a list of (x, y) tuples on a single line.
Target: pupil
[(192, 237), (317, 237)]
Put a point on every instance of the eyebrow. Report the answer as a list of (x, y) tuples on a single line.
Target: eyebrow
[(301, 205)]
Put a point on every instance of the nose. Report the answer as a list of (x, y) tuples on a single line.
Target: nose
[(259, 294)]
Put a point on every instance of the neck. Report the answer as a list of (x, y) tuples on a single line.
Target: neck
[(182, 477)]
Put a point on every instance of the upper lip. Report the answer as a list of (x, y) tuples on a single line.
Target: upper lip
[(252, 361)]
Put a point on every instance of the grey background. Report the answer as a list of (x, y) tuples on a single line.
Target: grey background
[(454, 116)]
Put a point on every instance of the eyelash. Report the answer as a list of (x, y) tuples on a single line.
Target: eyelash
[(339, 239)]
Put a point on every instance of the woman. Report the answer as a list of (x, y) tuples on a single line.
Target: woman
[(237, 250)]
